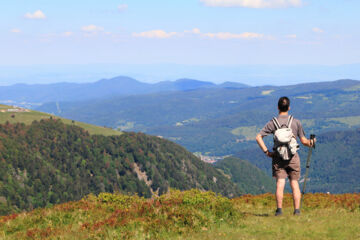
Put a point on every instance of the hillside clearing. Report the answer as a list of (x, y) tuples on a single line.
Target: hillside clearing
[(30, 116)]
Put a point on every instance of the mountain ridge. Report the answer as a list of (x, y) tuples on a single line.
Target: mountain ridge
[(233, 115), (31, 95)]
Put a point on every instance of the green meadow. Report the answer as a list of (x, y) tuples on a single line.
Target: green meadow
[(30, 116), (188, 214)]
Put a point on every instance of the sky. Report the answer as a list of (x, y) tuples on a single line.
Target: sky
[(46, 41)]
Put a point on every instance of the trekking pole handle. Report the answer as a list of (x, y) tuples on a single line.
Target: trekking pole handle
[(312, 137)]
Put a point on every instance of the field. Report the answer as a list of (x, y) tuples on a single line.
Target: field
[(188, 215), (30, 116), (248, 132)]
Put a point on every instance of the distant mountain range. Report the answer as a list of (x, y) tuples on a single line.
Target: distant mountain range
[(37, 94), (220, 121), (217, 119)]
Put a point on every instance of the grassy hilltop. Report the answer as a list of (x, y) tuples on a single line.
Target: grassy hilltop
[(190, 214), (29, 116)]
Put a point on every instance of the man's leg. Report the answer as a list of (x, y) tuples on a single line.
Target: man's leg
[(296, 193), (280, 184)]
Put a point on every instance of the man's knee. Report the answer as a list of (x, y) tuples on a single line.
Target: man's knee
[(280, 182), (294, 184)]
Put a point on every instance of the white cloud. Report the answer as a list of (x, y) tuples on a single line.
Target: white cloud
[(193, 31), (67, 34), (227, 35), (253, 3), (317, 30), (196, 31), (122, 7), (291, 36), (35, 15), (156, 34), (92, 28), (15, 30)]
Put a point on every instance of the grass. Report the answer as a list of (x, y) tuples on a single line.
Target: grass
[(249, 132), (187, 121), (353, 88), (307, 123), (321, 218), (304, 97), (188, 215), (317, 224), (29, 117), (350, 121), (267, 92)]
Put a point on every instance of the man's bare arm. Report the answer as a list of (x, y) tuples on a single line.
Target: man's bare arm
[(260, 141), (308, 142)]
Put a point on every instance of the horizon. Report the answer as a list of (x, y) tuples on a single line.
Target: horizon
[(252, 75)]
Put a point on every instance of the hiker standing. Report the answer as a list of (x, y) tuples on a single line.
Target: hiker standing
[(285, 159)]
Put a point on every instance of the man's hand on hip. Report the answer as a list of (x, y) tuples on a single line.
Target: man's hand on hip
[(269, 154)]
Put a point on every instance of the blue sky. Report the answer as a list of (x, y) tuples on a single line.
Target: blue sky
[(178, 32)]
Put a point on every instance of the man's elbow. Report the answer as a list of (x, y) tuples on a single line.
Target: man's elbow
[(304, 140), (258, 137)]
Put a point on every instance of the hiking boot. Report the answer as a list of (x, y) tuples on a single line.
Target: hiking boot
[(297, 212), (278, 212)]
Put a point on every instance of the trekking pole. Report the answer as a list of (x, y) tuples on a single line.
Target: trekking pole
[(312, 136)]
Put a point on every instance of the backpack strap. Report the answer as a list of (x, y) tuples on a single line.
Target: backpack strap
[(276, 123), (290, 120)]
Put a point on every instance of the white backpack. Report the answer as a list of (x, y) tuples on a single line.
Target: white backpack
[(284, 140)]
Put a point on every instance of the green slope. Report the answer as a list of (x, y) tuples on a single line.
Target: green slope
[(335, 163), (248, 177), (49, 162), (188, 215), (30, 115)]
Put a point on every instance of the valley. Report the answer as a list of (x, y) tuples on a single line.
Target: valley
[(212, 122), (220, 121)]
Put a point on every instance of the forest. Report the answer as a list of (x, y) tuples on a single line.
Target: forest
[(49, 162)]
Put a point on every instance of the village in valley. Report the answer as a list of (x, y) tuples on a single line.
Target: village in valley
[(209, 159)]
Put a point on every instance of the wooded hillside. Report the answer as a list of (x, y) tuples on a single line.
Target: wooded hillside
[(50, 162)]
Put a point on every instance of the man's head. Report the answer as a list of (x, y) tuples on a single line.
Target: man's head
[(284, 104)]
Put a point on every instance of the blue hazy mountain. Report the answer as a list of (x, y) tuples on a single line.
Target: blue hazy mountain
[(255, 75), (219, 121), (232, 85), (183, 84), (36, 94)]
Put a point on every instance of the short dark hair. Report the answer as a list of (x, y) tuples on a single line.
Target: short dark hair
[(284, 104)]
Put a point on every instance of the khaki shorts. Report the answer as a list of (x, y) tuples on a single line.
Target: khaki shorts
[(283, 169)]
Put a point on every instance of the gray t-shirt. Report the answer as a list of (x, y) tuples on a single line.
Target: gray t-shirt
[(281, 168), (296, 127)]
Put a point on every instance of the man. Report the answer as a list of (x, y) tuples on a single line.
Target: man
[(282, 169)]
